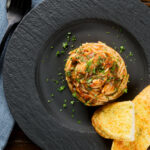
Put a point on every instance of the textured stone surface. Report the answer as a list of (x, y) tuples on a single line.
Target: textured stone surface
[(22, 58)]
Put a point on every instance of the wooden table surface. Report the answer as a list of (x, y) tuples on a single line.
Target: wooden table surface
[(19, 141)]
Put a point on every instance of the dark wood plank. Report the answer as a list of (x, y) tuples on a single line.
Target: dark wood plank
[(19, 141), (148, 4), (145, 0)]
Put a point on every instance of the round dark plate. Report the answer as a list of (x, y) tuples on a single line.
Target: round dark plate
[(31, 66)]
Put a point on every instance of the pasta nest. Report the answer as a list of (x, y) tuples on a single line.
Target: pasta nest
[(96, 73)]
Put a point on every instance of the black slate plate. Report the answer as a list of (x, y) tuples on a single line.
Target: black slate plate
[(31, 65)]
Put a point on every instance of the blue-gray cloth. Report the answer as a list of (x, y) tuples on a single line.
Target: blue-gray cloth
[(6, 120)]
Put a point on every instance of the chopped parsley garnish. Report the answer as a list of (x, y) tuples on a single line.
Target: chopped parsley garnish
[(47, 79), (72, 115), (87, 102), (107, 32), (94, 71), (64, 105), (130, 54), (52, 95), (113, 68), (73, 38), (61, 88), (73, 110), (88, 64), (78, 121), (100, 60), (56, 81), (122, 48), (65, 60), (57, 53), (115, 47), (62, 52), (59, 73), (109, 79), (60, 110), (65, 45), (49, 101), (101, 69), (126, 90), (68, 73), (72, 46), (74, 95), (78, 80), (89, 80), (72, 102), (65, 101), (52, 47), (69, 33)]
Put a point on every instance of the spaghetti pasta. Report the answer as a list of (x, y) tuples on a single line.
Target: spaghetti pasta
[(96, 73)]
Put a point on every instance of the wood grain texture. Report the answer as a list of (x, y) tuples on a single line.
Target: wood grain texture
[(146, 2), (19, 141)]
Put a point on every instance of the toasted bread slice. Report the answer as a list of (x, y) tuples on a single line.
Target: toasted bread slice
[(115, 121), (142, 124)]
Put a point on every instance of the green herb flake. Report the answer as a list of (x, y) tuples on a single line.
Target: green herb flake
[(72, 102), (89, 80), (72, 115), (65, 45), (47, 79), (72, 46), (64, 105), (113, 68), (52, 47), (88, 64), (73, 38), (78, 121), (42, 61), (62, 52), (115, 47), (74, 95), (94, 71), (65, 101), (52, 95), (61, 88), (73, 110), (125, 90), (65, 60), (60, 110), (78, 80), (68, 73), (49, 101), (69, 33), (60, 74), (121, 30), (122, 49), (130, 54), (57, 53), (107, 32), (56, 81)]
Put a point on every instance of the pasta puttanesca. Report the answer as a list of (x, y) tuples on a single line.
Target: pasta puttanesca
[(96, 73)]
